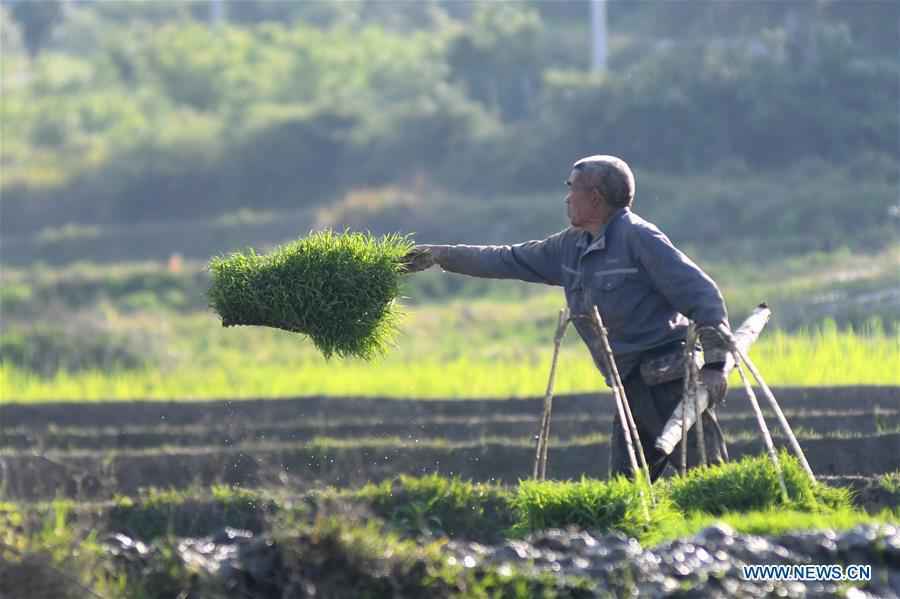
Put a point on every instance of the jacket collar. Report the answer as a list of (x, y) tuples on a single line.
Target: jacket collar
[(599, 242)]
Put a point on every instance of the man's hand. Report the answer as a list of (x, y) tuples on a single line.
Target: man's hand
[(418, 258), (712, 376)]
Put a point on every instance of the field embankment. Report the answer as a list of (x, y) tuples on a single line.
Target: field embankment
[(455, 538)]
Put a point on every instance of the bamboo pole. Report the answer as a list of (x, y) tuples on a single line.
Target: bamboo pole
[(698, 410), (690, 341), (763, 428), (770, 397), (543, 443), (629, 427)]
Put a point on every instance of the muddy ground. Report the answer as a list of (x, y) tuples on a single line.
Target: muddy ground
[(456, 429), (95, 450), (215, 412), (102, 475)]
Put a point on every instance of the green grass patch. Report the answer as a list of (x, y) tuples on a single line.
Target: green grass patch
[(890, 482), (171, 513), (617, 504), (681, 505), (751, 484), (775, 521), (439, 504), (340, 289)]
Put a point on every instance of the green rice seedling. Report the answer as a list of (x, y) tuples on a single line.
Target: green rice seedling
[(752, 484), (890, 482), (774, 521), (602, 505), (433, 502), (340, 289), (161, 513)]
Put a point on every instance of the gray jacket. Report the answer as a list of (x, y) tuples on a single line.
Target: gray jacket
[(642, 285)]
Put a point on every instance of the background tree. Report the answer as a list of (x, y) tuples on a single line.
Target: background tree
[(36, 20), (498, 58)]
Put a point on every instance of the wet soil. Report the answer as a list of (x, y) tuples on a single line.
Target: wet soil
[(213, 413), (95, 450), (564, 427), (101, 475), (708, 564)]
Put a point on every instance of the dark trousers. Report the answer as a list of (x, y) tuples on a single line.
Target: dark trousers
[(651, 407)]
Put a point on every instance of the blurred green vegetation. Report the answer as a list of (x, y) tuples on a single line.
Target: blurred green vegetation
[(45, 350), (459, 350), (140, 139), (851, 288), (169, 513), (145, 330), (779, 122)]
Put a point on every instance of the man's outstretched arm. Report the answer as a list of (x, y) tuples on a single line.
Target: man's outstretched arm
[(531, 261)]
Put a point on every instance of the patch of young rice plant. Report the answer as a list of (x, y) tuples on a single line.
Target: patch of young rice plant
[(340, 289), (160, 513), (484, 512), (451, 505), (825, 355), (752, 484), (890, 482), (592, 504), (774, 521)]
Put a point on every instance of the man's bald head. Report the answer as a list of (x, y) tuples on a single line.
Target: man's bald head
[(610, 175)]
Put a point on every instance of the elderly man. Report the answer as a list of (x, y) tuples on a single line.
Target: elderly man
[(644, 288)]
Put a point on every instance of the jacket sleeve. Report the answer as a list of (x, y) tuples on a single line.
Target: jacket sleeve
[(690, 290), (538, 261)]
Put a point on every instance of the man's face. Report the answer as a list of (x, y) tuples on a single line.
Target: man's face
[(582, 203)]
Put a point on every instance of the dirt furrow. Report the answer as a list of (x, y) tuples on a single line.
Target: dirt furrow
[(566, 426), (100, 475), (212, 413)]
